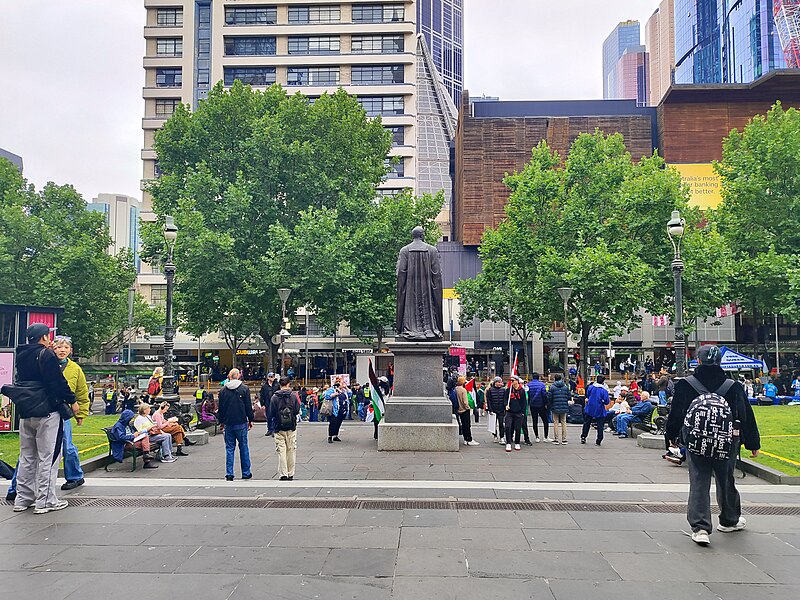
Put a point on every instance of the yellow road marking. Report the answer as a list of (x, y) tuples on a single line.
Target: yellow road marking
[(781, 458), (783, 435), (92, 448)]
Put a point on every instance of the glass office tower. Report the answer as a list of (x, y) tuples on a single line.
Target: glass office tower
[(442, 24)]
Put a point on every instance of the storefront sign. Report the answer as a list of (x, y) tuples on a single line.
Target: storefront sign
[(249, 352), (6, 376)]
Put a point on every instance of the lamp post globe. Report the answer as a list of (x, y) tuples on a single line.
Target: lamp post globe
[(676, 227)]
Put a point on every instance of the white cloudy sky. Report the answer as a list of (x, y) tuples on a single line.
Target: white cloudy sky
[(72, 75)]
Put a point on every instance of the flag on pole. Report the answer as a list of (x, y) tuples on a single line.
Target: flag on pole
[(470, 387), (375, 396), (516, 364), (660, 320)]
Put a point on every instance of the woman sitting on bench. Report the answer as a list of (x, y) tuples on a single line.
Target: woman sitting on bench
[(170, 426), (144, 423)]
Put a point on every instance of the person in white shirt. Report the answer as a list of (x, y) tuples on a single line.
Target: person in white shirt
[(143, 423), (620, 407)]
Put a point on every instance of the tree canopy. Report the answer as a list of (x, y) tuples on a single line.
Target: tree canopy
[(53, 252)]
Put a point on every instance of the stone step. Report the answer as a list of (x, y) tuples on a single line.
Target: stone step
[(650, 440), (198, 436)]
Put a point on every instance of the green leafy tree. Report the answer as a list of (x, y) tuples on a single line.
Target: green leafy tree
[(246, 161), (597, 224), (53, 252), (760, 212)]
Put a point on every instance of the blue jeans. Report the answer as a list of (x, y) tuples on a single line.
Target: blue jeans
[(622, 423), (72, 462), (234, 434)]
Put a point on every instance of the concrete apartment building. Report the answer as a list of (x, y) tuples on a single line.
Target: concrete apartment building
[(387, 53)]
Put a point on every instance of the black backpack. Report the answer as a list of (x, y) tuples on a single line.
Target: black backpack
[(708, 428), (286, 413)]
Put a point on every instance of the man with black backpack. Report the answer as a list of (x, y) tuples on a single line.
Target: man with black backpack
[(283, 410), (712, 418)]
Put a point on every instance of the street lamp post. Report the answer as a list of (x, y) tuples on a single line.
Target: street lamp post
[(283, 293), (565, 293), (675, 228), (170, 235)]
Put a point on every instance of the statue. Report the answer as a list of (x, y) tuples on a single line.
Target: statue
[(419, 291)]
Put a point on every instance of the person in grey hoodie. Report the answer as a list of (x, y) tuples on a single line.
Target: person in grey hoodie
[(558, 398), (235, 419)]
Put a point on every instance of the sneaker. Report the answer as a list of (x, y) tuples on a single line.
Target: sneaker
[(284, 478), (622, 436), (516, 447), (11, 496), (528, 443), (228, 477), (291, 478), (556, 442), (538, 440), (171, 459), (547, 439), (60, 505), (473, 443), (563, 442), (250, 476), (150, 465), (741, 524), (508, 447), (71, 485), (701, 537), (21, 508), (583, 440)]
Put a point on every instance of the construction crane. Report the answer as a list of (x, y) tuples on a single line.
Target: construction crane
[(787, 21)]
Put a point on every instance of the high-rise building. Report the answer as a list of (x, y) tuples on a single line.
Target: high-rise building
[(659, 35), (442, 24), (122, 217), (725, 41), (626, 35), (14, 159), (787, 20)]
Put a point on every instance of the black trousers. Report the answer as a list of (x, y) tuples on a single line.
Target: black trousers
[(587, 425), (701, 470), (334, 424), (540, 413), (466, 426), (513, 425)]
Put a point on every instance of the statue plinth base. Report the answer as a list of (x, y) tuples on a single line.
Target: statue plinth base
[(418, 416)]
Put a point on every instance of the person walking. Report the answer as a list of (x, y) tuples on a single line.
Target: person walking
[(558, 397), (515, 413), (697, 405), (265, 394), (155, 387), (283, 408), (235, 415), (595, 409), (464, 412), (537, 400), (339, 400), (496, 397), (41, 427)]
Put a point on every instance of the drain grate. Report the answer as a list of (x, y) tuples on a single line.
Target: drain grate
[(410, 504)]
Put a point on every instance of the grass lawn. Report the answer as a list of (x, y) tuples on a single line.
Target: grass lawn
[(779, 421), (86, 438)]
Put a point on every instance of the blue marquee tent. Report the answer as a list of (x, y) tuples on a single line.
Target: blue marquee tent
[(734, 361)]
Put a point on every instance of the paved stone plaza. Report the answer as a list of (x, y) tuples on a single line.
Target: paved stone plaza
[(357, 524)]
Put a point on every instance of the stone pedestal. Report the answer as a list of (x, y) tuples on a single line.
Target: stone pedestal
[(418, 416)]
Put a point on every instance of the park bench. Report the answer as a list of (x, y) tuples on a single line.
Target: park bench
[(129, 449)]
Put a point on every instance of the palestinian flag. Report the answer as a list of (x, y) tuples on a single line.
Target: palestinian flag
[(470, 387), (375, 394)]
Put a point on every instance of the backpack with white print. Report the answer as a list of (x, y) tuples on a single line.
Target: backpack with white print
[(708, 428)]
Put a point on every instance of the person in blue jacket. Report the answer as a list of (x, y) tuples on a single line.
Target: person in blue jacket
[(121, 434), (595, 409), (639, 413)]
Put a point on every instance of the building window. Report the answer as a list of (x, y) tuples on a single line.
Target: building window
[(313, 76), (328, 44), (166, 106), (390, 192), (250, 75), (251, 15), (398, 135), (382, 105), (377, 44), (169, 78), (249, 46), (158, 295), (396, 170), (378, 13), (378, 74), (169, 17), (299, 15), (169, 47)]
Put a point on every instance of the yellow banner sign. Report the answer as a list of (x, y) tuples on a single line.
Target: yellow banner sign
[(449, 294), (705, 186)]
